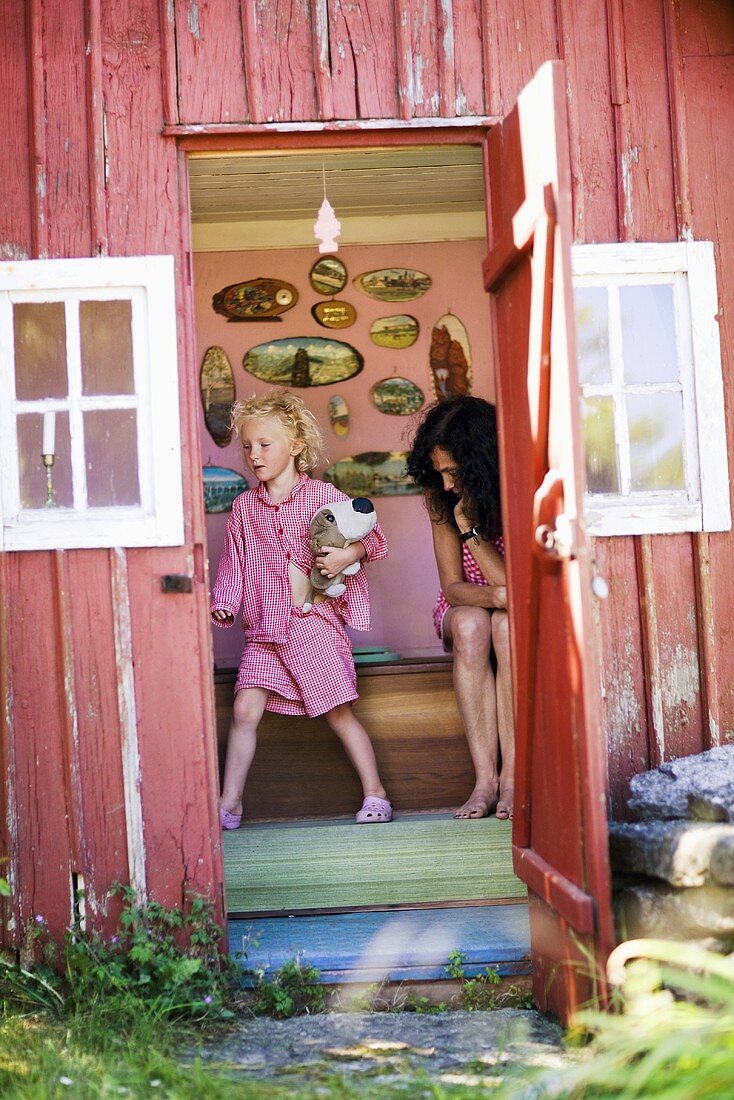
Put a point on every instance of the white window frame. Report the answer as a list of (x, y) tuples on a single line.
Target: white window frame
[(148, 282), (704, 505)]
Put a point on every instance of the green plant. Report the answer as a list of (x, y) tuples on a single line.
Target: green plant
[(672, 1035), (164, 963), (293, 990)]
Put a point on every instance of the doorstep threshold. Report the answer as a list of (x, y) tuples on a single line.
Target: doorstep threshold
[(395, 945)]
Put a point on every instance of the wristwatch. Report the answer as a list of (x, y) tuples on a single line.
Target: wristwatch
[(464, 536)]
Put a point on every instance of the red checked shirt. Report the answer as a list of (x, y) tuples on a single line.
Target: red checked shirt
[(262, 539)]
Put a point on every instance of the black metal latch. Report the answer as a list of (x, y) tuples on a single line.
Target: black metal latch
[(177, 582)]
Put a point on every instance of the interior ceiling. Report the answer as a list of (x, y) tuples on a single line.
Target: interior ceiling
[(373, 183)]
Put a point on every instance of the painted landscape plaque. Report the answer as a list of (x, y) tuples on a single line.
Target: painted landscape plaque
[(302, 361), (328, 275), (397, 396), (450, 358), (221, 486), (400, 331), (217, 394), (334, 313), (394, 284), (338, 416), (372, 474), (255, 300)]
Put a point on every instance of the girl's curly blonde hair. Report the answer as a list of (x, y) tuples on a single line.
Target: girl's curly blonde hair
[(298, 422)]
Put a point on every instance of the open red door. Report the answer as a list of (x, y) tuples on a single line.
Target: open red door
[(560, 826)]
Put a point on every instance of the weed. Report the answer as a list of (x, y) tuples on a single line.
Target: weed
[(141, 972), (293, 990), (481, 993)]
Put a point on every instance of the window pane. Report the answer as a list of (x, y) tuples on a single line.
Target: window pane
[(107, 350), (648, 333), (31, 468), (656, 441), (602, 468), (111, 442), (40, 350), (592, 330)]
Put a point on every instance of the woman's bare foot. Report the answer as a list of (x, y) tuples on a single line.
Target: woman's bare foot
[(505, 805), (480, 802)]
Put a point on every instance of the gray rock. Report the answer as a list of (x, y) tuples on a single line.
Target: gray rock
[(697, 788), (704, 915), (679, 852)]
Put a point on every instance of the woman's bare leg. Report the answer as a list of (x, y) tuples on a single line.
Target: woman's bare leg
[(247, 711), (505, 716), (358, 748), (468, 630)]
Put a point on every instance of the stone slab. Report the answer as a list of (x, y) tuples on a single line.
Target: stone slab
[(699, 788), (704, 915), (682, 853)]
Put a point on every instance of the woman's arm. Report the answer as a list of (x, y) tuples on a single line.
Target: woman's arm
[(461, 593)]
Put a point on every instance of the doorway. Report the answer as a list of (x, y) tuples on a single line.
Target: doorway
[(417, 207)]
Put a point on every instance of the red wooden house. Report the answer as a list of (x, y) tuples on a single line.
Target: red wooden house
[(127, 124)]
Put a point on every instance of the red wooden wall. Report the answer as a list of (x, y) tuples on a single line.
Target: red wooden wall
[(95, 94)]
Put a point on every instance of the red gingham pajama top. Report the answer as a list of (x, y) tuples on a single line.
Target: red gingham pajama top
[(303, 659), (472, 573)]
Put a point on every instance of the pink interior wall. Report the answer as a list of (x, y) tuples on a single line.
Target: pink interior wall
[(404, 587)]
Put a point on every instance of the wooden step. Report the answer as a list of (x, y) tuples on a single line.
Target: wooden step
[(409, 710), (415, 859), (407, 945)]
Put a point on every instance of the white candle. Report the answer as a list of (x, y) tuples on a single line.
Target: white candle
[(49, 433)]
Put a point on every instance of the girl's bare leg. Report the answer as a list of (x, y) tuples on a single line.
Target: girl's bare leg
[(358, 748), (505, 717), (468, 630), (249, 705)]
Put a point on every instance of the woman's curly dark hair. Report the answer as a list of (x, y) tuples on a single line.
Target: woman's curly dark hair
[(466, 427)]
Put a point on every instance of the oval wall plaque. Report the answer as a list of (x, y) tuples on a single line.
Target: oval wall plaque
[(397, 396), (372, 474), (339, 416), (217, 394), (221, 486), (255, 300), (303, 361), (394, 284), (334, 314), (450, 358), (400, 331), (328, 275)]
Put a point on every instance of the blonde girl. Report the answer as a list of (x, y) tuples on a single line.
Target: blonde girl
[(294, 662)]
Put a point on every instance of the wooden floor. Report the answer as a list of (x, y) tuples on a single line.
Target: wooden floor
[(415, 859)]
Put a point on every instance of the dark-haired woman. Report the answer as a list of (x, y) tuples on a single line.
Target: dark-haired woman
[(454, 458)]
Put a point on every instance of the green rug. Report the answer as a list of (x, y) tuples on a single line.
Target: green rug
[(337, 864)]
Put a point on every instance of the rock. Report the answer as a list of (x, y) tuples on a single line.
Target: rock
[(697, 788), (679, 852), (704, 916)]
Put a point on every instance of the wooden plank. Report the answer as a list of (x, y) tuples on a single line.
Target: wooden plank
[(363, 59), (468, 34), (208, 43), (707, 28), (519, 36), (15, 162), (709, 105), (300, 768), (279, 61), (416, 24), (175, 738)]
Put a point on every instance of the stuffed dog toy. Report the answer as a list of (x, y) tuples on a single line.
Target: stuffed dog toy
[(338, 524)]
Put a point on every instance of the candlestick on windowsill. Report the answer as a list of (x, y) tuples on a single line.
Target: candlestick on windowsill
[(48, 462)]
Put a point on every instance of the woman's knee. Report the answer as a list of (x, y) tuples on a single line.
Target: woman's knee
[(470, 631)]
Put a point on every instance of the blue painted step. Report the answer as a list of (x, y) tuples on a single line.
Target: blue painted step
[(399, 945)]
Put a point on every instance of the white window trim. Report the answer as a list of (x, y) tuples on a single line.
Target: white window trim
[(706, 455), (158, 520)]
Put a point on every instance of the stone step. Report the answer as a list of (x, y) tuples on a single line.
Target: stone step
[(682, 853)]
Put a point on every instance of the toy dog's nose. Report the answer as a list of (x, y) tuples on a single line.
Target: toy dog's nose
[(362, 504)]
